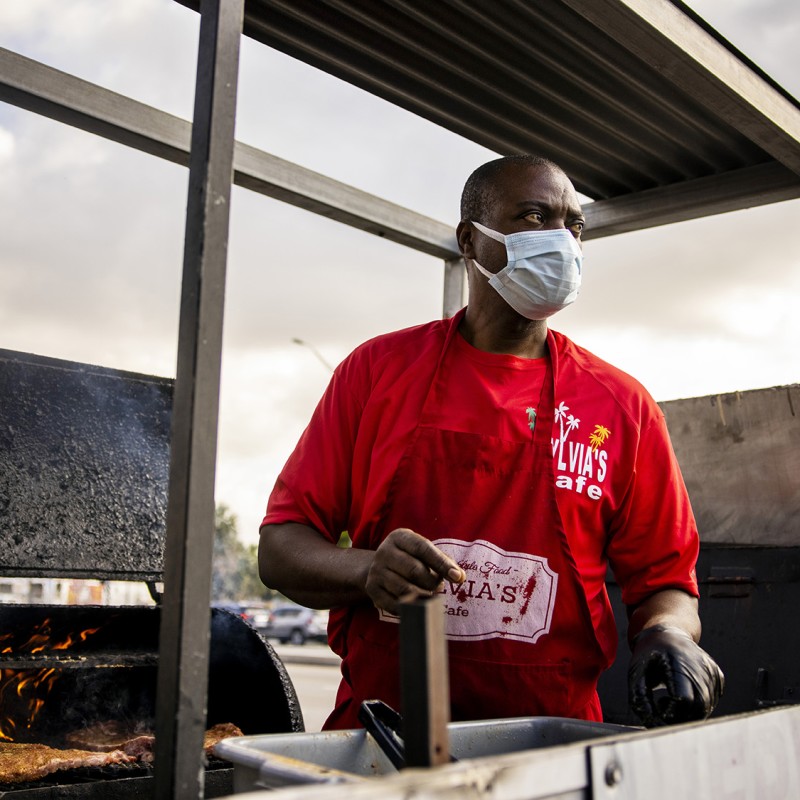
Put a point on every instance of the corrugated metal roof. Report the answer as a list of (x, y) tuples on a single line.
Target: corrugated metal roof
[(626, 95)]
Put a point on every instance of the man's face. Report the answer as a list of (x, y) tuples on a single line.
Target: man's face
[(526, 198)]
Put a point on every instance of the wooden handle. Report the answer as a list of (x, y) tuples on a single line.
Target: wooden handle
[(424, 682)]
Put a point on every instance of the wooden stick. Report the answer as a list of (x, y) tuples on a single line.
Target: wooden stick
[(424, 682)]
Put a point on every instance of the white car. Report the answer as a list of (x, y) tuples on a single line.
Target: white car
[(296, 625)]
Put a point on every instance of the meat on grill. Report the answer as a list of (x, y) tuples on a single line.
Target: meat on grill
[(111, 735), (136, 742), (22, 763), (224, 730), (100, 745)]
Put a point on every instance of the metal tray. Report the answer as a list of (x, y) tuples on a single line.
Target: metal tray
[(279, 760)]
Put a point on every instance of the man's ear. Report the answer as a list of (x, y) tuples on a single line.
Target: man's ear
[(464, 233)]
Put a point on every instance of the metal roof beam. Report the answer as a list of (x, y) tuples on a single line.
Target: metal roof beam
[(65, 98), (666, 39), (731, 191), (283, 180)]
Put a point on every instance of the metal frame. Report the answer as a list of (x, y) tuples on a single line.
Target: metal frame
[(65, 98), (55, 94), (185, 616)]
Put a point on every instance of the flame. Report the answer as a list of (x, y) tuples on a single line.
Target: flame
[(25, 688)]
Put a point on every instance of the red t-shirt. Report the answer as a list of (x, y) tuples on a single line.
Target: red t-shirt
[(618, 486)]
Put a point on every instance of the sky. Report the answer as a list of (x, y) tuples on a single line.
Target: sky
[(91, 239)]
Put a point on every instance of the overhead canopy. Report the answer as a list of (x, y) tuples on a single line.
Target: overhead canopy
[(649, 110)]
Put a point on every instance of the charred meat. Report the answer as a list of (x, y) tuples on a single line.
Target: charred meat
[(224, 730), (103, 737), (22, 763)]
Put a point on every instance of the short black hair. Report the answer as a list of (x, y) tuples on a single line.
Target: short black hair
[(478, 189)]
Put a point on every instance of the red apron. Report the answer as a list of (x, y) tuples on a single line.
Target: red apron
[(520, 637)]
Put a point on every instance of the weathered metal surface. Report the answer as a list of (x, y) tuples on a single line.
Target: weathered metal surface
[(747, 756), (649, 96), (749, 598), (247, 680), (356, 754), (740, 458), (183, 647), (751, 756), (84, 455)]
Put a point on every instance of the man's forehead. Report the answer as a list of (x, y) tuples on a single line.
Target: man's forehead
[(521, 184), (523, 174)]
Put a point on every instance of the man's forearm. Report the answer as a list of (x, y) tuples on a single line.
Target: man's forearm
[(671, 607), (670, 678), (297, 561)]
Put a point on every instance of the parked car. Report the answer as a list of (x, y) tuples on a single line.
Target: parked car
[(257, 616), (296, 625), (229, 605)]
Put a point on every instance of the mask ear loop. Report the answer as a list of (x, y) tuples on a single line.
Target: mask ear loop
[(499, 237), (485, 272)]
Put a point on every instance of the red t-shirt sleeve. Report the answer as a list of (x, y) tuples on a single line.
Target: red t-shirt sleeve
[(314, 486), (654, 542)]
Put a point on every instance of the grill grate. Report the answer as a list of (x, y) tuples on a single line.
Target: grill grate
[(122, 781)]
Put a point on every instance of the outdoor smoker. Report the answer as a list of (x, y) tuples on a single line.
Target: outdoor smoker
[(740, 457), (84, 454)]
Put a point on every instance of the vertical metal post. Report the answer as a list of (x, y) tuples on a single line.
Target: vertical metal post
[(185, 614), (455, 286), (424, 682)]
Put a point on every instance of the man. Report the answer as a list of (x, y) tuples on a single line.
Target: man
[(492, 460)]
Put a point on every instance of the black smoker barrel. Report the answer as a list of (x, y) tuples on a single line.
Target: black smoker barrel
[(84, 461), (108, 673), (740, 458)]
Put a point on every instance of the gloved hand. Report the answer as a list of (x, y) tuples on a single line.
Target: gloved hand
[(671, 679)]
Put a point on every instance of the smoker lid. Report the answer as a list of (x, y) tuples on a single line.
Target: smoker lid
[(84, 465)]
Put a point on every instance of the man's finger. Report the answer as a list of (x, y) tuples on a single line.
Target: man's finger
[(433, 557)]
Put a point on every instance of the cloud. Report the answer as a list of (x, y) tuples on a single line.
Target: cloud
[(93, 239), (678, 272), (7, 146), (766, 31)]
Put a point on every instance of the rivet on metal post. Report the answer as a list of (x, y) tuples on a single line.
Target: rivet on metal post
[(613, 774)]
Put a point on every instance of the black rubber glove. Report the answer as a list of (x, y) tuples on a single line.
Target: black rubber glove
[(671, 679)]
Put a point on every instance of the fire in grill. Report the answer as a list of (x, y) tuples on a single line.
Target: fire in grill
[(93, 668)]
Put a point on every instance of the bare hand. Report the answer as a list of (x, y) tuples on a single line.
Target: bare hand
[(408, 564)]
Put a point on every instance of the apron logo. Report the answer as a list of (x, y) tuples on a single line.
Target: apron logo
[(505, 595), (580, 466), (598, 438)]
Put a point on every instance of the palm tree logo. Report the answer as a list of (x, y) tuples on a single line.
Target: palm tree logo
[(601, 433), (567, 422)]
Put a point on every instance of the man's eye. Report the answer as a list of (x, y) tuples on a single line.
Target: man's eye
[(535, 216), (576, 228)]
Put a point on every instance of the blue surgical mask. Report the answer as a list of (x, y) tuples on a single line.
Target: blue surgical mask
[(543, 273)]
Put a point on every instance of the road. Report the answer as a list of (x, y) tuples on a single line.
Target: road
[(314, 672)]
